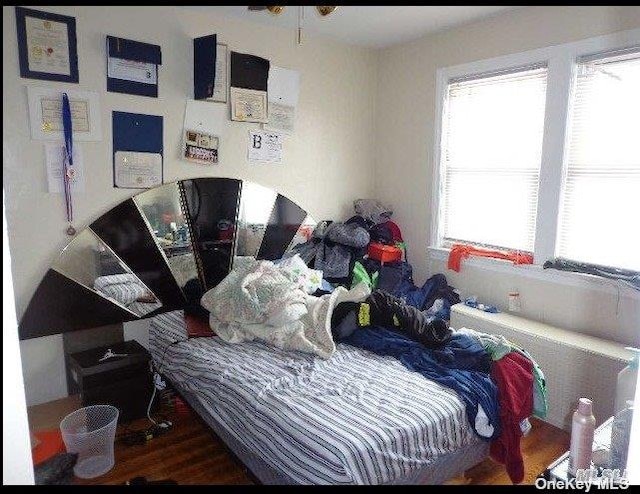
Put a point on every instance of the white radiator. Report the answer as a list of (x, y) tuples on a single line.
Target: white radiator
[(574, 365)]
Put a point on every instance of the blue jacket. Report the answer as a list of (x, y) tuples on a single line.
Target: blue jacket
[(462, 365)]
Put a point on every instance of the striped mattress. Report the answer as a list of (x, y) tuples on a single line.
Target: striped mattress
[(357, 418)]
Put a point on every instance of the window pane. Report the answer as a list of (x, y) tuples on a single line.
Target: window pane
[(491, 153), (599, 220)]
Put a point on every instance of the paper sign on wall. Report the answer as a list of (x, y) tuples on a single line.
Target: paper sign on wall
[(264, 147), (204, 124), (54, 157), (284, 89)]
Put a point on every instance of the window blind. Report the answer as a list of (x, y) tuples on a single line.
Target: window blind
[(490, 158), (600, 210)]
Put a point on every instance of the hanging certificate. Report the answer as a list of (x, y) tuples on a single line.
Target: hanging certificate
[(47, 45), (133, 170)]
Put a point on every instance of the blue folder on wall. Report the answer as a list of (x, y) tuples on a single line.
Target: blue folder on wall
[(204, 66), (132, 67), (138, 133)]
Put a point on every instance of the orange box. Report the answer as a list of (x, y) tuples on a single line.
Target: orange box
[(384, 253)]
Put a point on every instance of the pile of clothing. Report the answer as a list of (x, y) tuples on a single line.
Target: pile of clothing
[(522, 392)]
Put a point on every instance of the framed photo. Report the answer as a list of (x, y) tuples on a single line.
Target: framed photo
[(47, 46)]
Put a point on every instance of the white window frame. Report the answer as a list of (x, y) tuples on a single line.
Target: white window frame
[(561, 66)]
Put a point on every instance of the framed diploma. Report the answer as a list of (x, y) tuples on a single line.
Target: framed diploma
[(47, 45)]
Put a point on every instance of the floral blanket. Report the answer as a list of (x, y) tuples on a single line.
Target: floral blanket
[(263, 301)]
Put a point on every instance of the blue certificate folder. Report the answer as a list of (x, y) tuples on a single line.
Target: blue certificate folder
[(136, 132), (204, 66), (136, 51)]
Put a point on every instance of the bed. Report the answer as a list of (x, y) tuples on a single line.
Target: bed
[(293, 418)]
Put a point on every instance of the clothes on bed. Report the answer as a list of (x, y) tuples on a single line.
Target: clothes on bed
[(461, 365), (259, 300), (513, 375), (381, 309)]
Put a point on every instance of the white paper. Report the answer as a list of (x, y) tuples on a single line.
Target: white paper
[(45, 114), (220, 82), (284, 89), (131, 70), (54, 157), (264, 147), (283, 86), (248, 105), (206, 117), (134, 170), (47, 46)]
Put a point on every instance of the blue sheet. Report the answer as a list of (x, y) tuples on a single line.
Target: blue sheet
[(462, 365)]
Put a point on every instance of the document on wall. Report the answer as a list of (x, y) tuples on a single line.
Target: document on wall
[(264, 147), (248, 105), (47, 46), (45, 114), (204, 124), (131, 70), (54, 158), (221, 75), (284, 89), (135, 170)]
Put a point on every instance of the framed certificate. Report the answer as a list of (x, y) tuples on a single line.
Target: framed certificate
[(47, 45)]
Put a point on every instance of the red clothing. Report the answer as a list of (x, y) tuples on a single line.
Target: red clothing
[(395, 231), (460, 251), (513, 374)]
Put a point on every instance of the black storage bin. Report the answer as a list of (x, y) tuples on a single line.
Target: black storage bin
[(124, 382)]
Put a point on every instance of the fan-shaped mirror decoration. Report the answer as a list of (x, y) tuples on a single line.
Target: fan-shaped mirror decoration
[(88, 261), (160, 250)]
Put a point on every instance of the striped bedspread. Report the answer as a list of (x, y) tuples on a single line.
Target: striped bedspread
[(355, 418)]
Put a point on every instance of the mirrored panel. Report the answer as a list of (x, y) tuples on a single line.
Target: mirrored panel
[(304, 233), (284, 221), (212, 208), (256, 204), (162, 208), (87, 260)]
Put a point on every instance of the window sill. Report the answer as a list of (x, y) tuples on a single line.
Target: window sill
[(537, 272)]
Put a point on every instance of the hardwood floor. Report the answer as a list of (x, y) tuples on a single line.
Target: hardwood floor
[(191, 454)]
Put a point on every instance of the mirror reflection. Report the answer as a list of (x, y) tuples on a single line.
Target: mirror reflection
[(256, 203), (304, 232), (88, 261), (161, 206)]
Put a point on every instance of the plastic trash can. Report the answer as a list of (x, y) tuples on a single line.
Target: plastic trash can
[(91, 432)]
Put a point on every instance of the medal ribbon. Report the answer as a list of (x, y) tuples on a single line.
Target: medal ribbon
[(67, 171)]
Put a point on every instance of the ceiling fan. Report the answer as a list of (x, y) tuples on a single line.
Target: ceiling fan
[(323, 10)]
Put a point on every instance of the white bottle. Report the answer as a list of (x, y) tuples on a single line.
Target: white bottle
[(627, 379), (582, 427)]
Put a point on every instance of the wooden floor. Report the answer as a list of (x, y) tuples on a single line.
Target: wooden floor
[(191, 454)]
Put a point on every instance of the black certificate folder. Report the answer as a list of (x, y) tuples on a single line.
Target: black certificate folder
[(249, 71), (132, 67)]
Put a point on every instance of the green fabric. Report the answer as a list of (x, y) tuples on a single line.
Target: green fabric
[(360, 274)]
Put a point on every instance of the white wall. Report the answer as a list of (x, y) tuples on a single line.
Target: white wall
[(327, 163), (17, 466), (404, 167)]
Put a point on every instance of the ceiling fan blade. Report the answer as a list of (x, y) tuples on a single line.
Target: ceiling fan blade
[(256, 8), (325, 10), (274, 9)]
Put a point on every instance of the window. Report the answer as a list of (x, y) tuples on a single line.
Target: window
[(540, 152), (600, 214), (492, 144)]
